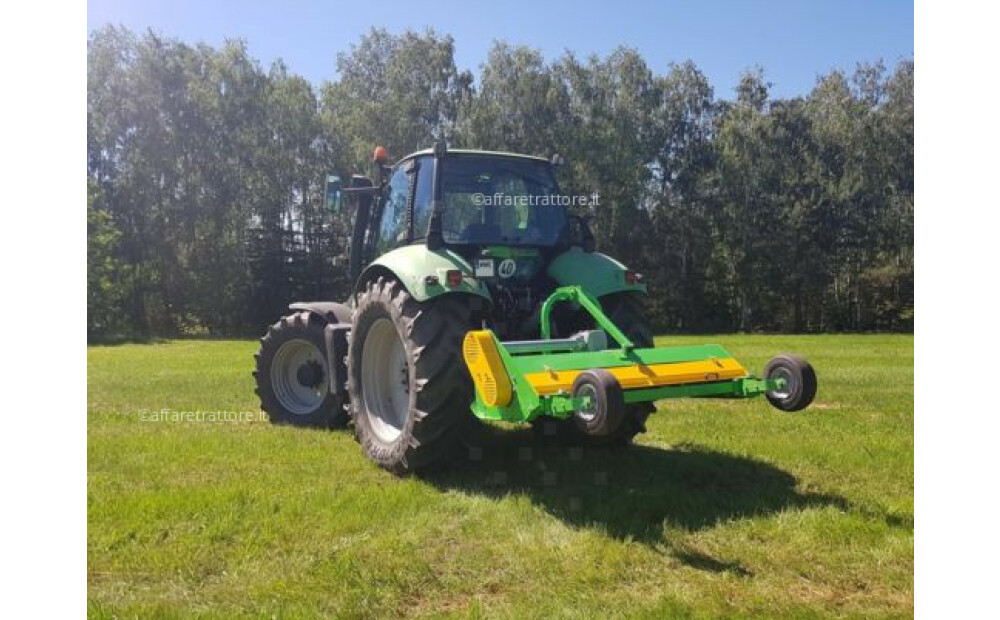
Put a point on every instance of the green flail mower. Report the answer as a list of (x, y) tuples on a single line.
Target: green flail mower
[(583, 379), (477, 294)]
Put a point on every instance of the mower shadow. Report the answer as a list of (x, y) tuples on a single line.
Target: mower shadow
[(631, 493)]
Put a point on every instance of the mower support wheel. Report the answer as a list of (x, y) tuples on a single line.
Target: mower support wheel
[(606, 410), (800, 382)]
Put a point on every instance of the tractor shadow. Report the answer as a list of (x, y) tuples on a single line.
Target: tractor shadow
[(632, 494)]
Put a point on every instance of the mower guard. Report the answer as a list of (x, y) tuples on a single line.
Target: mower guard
[(520, 381)]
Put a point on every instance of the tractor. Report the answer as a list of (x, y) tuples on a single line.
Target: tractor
[(478, 295)]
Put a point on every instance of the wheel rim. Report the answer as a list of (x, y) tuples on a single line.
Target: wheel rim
[(589, 412), (789, 377), (385, 381), (298, 377)]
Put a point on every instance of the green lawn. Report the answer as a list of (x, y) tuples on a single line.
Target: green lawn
[(725, 509)]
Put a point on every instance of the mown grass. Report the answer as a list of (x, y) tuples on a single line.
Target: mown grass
[(725, 509)]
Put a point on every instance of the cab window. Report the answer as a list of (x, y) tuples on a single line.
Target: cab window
[(422, 197), (392, 228), (502, 201)]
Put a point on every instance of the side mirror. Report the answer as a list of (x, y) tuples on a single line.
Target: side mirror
[(334, 195), (586, 236)]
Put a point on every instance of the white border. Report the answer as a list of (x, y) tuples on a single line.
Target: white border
[(957, 308), (43, 453), (42, 440)]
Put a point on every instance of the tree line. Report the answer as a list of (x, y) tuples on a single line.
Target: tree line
[(205, 178)]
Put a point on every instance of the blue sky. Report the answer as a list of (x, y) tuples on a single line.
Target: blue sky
[(793, 41)]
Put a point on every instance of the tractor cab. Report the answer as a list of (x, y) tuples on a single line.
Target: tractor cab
[(501, 214), (485, 199)]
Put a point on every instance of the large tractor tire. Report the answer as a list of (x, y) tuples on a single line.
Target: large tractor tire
[(625, 310), (293, 381), (409, 390)]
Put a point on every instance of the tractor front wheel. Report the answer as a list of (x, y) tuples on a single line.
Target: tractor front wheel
[(409, 389), (293, 380)]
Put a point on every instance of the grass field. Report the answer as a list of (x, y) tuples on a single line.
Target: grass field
[(724, 509)]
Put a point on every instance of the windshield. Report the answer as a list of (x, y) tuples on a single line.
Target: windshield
[(501, 200)]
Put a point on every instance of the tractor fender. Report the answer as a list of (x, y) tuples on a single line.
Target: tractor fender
[(329, 311), (423, 272), (596, 273)]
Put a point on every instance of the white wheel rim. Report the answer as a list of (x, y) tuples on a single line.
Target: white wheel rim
[(299, 377), (789, 377), (385, 381), (589, 412)]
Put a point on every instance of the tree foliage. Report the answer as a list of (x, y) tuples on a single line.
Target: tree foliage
[(753, 213)]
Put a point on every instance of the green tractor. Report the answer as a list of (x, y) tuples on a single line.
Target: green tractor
[(477, 295)]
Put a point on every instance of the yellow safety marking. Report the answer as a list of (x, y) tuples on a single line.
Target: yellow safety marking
[(481, 356), (642, 376)]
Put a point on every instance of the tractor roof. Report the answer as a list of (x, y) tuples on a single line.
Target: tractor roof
[(475, 152)]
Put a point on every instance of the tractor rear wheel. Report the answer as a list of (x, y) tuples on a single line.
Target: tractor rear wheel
[(293, 380), (408, 387)]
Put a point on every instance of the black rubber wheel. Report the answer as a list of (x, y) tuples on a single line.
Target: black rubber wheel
[(625, 310), (292, 375), (800, 389), (606, 412), (409, 389)]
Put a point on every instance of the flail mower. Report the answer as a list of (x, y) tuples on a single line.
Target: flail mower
[(477, 293)]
